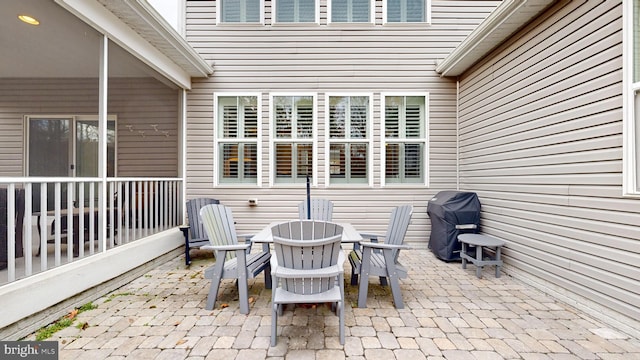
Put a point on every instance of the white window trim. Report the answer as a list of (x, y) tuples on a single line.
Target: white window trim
[(272, 139), (372, 14), (427, 4), (219, 16), (216, 141), (327, 143), (383, 142), (274, 16), (630, 140)]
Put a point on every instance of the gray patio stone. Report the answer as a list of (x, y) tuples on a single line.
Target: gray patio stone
[(448, 314)]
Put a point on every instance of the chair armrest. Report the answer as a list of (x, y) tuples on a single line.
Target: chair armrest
[(371, 235), (376, 245), (227, 247)]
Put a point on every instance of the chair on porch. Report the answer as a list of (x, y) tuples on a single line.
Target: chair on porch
[(373, 258), (321, 209), (195, 236), (233, 260), (4, 229), (307, 268)]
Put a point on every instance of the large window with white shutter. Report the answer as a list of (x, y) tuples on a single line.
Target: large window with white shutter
[(405, 136), (349, 144), (237, 137), (293, 138)]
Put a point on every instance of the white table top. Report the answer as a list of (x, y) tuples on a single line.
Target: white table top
[(349, 233)]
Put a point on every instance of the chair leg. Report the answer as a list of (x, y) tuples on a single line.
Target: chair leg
[(268, 282), (365, 267), (274, 324), (393, 279), (243, 287), (218, 269)]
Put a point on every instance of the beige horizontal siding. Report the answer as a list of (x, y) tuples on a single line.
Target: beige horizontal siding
[(541, 143), (323, 58)]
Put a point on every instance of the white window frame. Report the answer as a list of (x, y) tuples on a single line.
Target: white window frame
[(631, 115), (329, 141), (372, 14), (217, 140), (219, 16), (273, 139), (275, 14), (425, 140), (427, 15)]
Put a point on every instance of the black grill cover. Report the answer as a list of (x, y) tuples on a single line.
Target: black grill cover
[(446, 210)]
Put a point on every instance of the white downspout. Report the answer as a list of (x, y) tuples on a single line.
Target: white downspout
[(457, 134)]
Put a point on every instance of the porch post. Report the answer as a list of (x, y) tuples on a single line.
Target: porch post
[(102, 141), (182, 148)]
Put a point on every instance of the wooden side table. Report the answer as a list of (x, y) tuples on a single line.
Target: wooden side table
[(480, 242)]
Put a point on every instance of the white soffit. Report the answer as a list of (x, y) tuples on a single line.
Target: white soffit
[(137, 27), (505, 20)]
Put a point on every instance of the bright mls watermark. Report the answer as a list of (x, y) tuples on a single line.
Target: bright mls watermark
[(31, 350)]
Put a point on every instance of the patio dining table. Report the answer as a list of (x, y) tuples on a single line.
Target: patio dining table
[(349, 234)]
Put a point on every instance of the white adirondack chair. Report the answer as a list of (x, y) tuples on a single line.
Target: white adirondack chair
[(233, 260), (373, 258), (307, 268), (321, 209)]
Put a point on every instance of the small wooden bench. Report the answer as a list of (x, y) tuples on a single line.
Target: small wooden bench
[(480, 242)]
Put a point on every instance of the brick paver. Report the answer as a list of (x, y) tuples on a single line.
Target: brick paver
[(449, 314)]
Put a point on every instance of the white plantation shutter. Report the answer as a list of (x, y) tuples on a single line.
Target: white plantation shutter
[(237, 139), (293, 138), (405, 139), (349, 120)]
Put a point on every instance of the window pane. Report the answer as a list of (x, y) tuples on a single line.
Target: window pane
[(304, 163), (295, 11), (392, 160), (337, 167), (406, 10), (392, 108), (337, 116), (304, 118), (239, 163), (359, 116), (284, 163), (283, 120), (358, 161), (414, 117), (240, 10), (413, 162), (350, 10)]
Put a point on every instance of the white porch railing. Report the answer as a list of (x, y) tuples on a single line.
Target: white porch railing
[(49, 222)]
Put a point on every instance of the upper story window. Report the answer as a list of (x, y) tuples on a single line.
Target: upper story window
[(293, 140), (407, 11), (237, 139), (404, 145), (296, 11), (349, 130), (631, 68), (350, 11), (240, 11)]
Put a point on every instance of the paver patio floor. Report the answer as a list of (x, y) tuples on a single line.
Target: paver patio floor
[(448, 314)]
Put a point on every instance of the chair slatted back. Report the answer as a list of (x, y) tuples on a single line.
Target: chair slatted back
[(219, 225), (398, 224), (196, 229), (321, 209), (307, 245)]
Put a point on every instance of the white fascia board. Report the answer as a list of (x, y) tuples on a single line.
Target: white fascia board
[(106, 23), (506, 19)]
